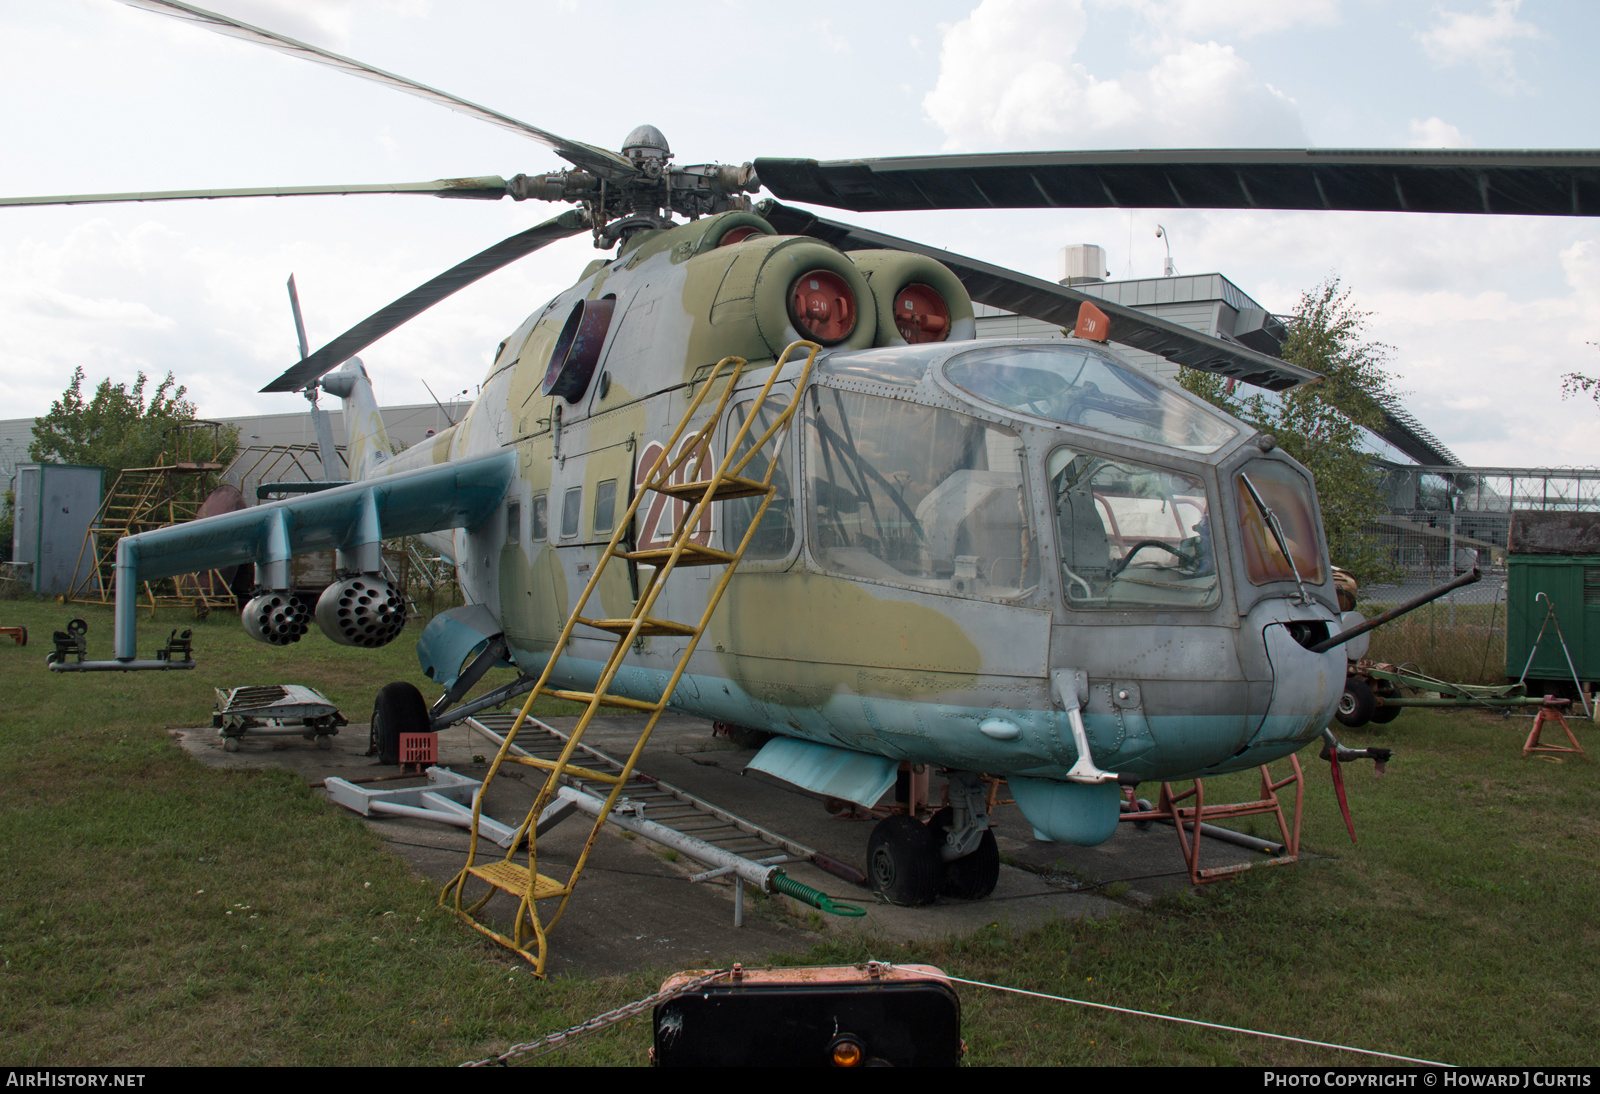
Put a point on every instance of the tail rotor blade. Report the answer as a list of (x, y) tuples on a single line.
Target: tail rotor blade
[(420, 299)]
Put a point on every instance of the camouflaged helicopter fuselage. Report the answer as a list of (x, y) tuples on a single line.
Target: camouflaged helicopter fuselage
[(863, 663)]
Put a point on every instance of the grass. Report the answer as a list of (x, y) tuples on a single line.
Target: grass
[(1461, 928), (1472, 651)]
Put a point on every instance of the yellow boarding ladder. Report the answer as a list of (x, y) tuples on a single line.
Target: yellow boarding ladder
[(529, 936)]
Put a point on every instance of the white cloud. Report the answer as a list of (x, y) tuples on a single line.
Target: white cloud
[(1245, 18), (834, 42), (1485, 40), (1007, 79), (1436, 133)]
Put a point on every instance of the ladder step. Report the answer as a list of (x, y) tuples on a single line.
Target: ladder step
[(510, 878), (570, 769), (605, 700), (650, 627), (732, 487), (692, 556)]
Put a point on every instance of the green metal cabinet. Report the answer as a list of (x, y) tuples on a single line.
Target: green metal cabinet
[(1557, 554)]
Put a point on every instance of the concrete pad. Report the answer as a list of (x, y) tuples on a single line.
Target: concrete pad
[(634, 908)]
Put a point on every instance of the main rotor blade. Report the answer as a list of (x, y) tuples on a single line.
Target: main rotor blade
[(1540, 183), (420, 299), (486, 187), (608, 165), (1056, 304)]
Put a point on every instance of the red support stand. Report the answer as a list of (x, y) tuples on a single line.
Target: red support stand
[(1188, 819), (1552, 710)]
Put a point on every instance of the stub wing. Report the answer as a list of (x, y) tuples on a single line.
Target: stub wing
[(354, 518)]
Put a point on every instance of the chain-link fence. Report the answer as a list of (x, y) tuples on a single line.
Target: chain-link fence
[(1458, 637), (1442, 522)]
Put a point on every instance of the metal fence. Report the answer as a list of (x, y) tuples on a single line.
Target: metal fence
[(1442, 521)]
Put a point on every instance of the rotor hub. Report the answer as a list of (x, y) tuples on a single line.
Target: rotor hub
[(646, 147)]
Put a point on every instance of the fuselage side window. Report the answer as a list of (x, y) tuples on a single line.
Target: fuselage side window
[(605, 506), (774, 538), (539, 517), (917, 495), (571, 511)]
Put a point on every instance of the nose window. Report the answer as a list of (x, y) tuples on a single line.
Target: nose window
[(1288, 498)]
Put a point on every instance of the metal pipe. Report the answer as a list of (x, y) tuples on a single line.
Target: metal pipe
[(119, 666), (1228, 835), (697, 849), (1395, 612), (464, 821), (125, 622)]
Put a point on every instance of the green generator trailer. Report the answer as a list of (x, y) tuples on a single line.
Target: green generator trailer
[(1553, 562)]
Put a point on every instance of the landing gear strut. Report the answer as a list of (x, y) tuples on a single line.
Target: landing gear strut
[(911, 862)]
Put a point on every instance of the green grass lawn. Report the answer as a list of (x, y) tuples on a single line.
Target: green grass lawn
[(156, 912)]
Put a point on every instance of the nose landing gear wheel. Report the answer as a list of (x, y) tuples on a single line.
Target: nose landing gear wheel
[(903, 861)]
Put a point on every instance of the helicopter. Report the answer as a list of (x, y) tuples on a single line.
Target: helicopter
[(1012, 557)]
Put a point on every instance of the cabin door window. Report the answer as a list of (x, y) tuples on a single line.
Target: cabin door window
[(1130, 536)]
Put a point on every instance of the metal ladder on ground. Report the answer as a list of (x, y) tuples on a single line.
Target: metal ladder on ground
[(530, 931), (665, 803)]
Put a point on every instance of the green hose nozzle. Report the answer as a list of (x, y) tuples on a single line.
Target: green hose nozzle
[(788, 886)]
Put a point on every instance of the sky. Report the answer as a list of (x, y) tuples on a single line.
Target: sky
[(1482, 315)]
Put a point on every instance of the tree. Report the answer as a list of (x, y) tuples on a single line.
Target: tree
[(1576, 384), (117, 428), (1321, 423)]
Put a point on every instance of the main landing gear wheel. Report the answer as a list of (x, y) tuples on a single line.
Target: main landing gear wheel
[(1356, 704), (974, 875), (398, 709), (903, 862)]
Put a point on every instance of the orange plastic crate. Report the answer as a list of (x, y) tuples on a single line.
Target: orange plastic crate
[(421, 749)]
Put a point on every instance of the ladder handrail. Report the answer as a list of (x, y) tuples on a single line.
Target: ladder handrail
[(690, 519), (658, 479)]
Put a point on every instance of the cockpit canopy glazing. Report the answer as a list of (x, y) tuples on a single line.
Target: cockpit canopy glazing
[(1073, 383)]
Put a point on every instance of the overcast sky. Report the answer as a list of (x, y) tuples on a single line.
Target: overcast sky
[(1484, 314)]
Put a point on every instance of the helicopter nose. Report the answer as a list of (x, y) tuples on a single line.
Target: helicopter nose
[(1305, 687)]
